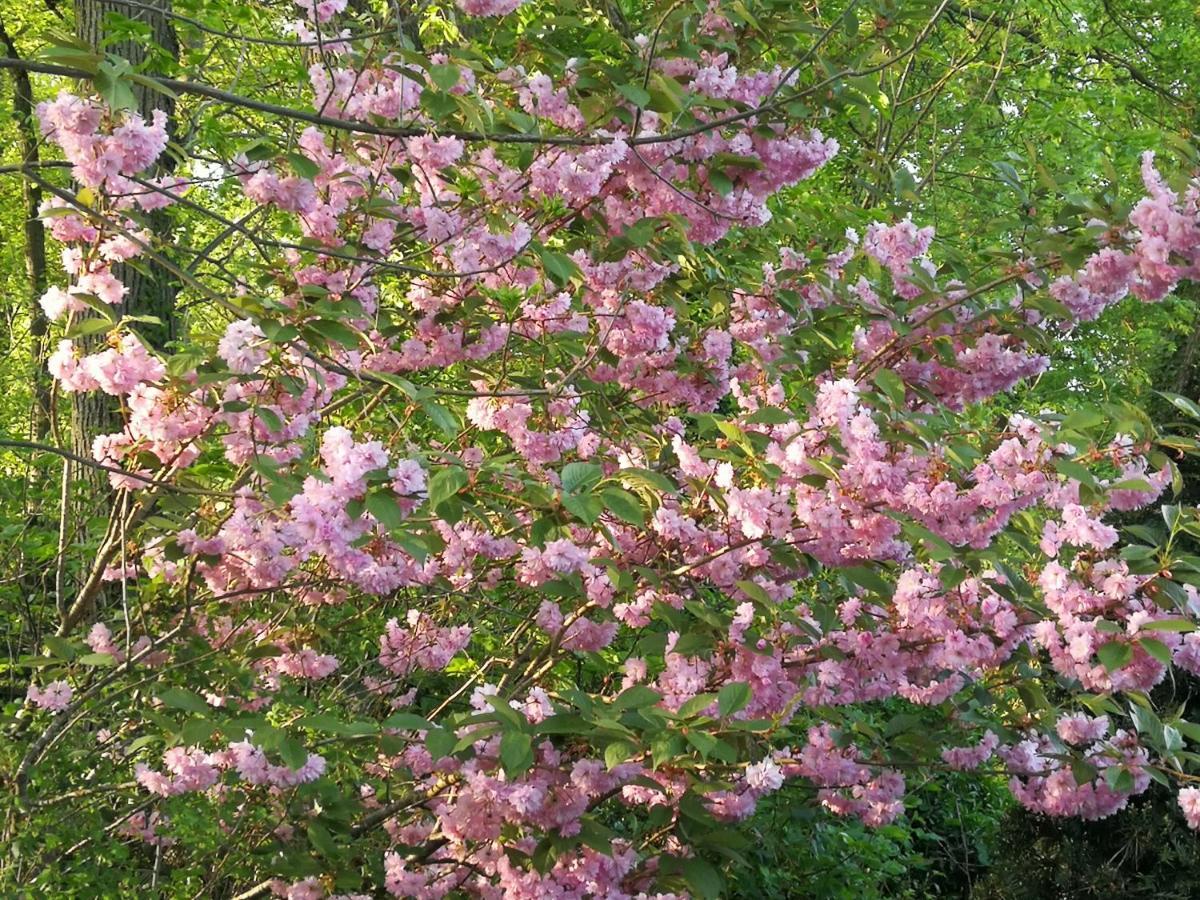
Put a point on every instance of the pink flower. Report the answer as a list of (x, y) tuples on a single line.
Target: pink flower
[(764, 776), (435, 152), (1189, 802), (488, 7), (1080, 729), (118, 370), (408, 478), (420, 645), (322, 10), (242, 347), (56, 303), (55, 696)]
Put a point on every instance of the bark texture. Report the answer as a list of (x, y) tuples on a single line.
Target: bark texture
[(151, 289), (35, 244)]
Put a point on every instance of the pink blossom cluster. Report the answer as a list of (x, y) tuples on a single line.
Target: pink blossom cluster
[(117, 370), (55, 696), (1189, 802), (847, 787), (145, 827), (102, 160), (107, 150), (100, 640), (191, 769), (1043, 783), (1164, 237), (419, 644), (710, 521), (488, 7), (968, 758), (242, 347)]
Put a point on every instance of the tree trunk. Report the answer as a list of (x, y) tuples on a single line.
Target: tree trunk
[(35, 246), (151, 289), (152, 294), (36, 580)]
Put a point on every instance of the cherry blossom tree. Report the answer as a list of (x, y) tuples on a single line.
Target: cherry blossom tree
[(482, 539)]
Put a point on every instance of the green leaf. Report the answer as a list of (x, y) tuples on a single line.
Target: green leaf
[(303, 166), (76, 57), (721, 183), (97, 659), (586, 509), (641, 232), (656, 481), (635, 94), (1119, 778), (445, 483), (733, 698), (1113, 655), (1157, 649), (735, 160), (1183, 404), (892, 386), (868, 578), (579, 477), (696, 705), (1147, 722), (624, 505), (440, 742), (1175, 625), (505, 714), (402, 384), (1033, 696), (91, 325), (1132, 484), (598, 837), (702, 741), (112, 84), (443, 418), (770, 415), (445, 75), (1074, 470), (293, 753), (59, 647), (755, 592), (563, 723), (1083, 771), (438, 104), (333, 725), (335, 331), (516, 752), (181, 698), (637, 697), (152, 84), (1172, 738), (1084, 419), (321, 840), (407, 721), (560, 267), (197, 730), (703, 878), (666, 94), (269, 417), (384, 505), (617, 752)]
